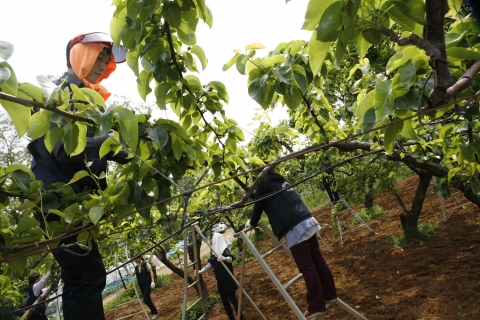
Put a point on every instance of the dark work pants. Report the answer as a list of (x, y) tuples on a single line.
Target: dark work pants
[(227, 298), (37, 316), (316, 273), (84, 280), (147, 299)]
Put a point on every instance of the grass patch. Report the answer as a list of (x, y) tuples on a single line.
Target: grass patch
[(371, 213), (196, 310), (124, 296), (316, 200), (426, 229)]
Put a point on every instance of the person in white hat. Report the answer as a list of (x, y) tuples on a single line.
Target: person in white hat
[(226, 286)]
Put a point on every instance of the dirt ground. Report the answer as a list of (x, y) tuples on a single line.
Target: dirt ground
[(439, 279)]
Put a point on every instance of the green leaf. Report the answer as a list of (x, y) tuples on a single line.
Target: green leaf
[(4, 74), (372, 35), (94, 97), (128, 126), (293, 98), (16, 166), (143, 84), (391, 134), (317, 51), (39, 124), (230, 62), (475, 186), (393, 9), (70, 137), (18, 264), (52, 137), (362, 45), (187, 27), (468, 152), (19, 114), (408, 101), (452, 172), (198, 51), (284, 74), (221, 90), (81, 141), (460, 54), (271, 61), (22, 178), (6, 50), (79, 175), (31, 91), (172, 14), (254, 46), (402, 58), (315, 10), (330, 25), (260, 91), (161, 93), (159, 135), (408, 131), (96, 212), (49, 89), (300, 78), (177, 148), (25, 223), (369, 120), (364, 103)]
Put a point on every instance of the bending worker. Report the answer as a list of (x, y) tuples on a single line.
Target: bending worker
[(290, 217), (35, 290)]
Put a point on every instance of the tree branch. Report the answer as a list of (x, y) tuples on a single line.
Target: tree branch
[(52, 108)]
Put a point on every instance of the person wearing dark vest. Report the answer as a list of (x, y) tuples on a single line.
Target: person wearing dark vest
[(146, 281), (289, 217), (91, 58), (226, 286), (330, 185), (35, 290)]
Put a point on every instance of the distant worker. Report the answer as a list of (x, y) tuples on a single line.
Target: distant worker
[(146, 281), (226, 286), (35, 290), (328, 183), (289, 217)]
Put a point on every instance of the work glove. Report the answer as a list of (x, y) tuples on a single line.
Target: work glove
[(225, 259), (152, 285), (195, 272), (248, 225)]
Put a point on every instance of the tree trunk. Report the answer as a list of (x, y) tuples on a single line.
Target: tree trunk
[(161, 254), (409, 219), (368, 200), (199, 265)]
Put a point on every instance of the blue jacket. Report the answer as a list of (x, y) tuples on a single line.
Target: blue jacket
[(284, 210), (60, 167)]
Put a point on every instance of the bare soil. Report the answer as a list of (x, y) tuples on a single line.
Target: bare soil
[(438, 279)]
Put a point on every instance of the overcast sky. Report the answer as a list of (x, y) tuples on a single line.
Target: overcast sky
[(40, 30)]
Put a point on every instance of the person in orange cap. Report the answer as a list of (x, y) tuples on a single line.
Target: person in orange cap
[(91, 58)]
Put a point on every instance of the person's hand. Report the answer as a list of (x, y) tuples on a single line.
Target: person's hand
[(248, 225), (221, 258), (195, 272), (152, 285)]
